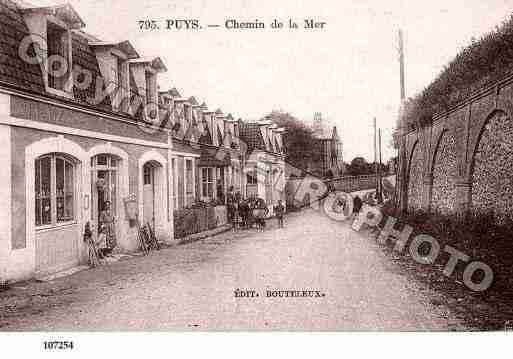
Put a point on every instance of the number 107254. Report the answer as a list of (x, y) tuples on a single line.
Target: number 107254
[(57, 345)]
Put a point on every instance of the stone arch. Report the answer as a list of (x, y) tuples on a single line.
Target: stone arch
[(443, 169), (57, 144), (159, 162), (108, 148), (415, 177), (491, 166)]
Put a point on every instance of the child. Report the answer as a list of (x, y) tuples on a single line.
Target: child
[(279, 210)]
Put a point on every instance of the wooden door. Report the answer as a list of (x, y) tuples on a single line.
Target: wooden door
[(149, 195)]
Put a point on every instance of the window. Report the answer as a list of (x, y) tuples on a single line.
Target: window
[(58, 42), (54, 189), (117, 76), (104, 168), (147, 174), (175, 183), (189, 182), (148, 88), (207, 182), (252, 177)]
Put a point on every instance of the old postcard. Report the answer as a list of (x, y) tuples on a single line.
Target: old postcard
[(255, 166)]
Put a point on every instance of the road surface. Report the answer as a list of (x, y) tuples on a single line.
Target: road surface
[(191, 287)]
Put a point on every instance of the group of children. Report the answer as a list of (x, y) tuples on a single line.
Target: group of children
[(243, 213)]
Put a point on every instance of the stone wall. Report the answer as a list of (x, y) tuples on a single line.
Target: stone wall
[(492, 187), (463, 162), (415, 179), (444, 174)]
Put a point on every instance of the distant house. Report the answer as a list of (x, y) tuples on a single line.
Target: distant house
[(265, 167), (328, 159)]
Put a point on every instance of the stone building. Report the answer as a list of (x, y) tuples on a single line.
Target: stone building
[(328, 149)]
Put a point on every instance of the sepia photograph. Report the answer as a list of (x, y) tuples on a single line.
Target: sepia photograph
[(255, 166)]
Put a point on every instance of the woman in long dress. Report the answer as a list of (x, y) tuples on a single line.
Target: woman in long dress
[(108, 228)]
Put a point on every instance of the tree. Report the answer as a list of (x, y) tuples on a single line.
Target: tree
[(298, 139), (359, 166)]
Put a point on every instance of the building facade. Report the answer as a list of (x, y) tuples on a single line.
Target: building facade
[(68, 146), (328, 159), (83, 123)]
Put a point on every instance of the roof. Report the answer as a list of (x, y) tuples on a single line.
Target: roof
[(213, 157), (124, 46), (219, 112), (65, 12), (24, 76), (206, 137), (250, 133), (324, 132), (174, 92), (84, 56), (156, 63), (13, 69), (192, 101)]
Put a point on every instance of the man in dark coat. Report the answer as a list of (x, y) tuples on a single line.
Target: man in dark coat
[(279, 210)]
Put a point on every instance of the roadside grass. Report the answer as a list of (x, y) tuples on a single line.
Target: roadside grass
[(482, 239)]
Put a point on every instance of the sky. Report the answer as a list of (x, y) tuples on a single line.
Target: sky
[(348, 71)]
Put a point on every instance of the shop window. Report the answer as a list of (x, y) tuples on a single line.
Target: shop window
[(207, 182), (54, 190)]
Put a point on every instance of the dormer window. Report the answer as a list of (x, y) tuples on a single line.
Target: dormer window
[(144, 75), (50, 28), (59, 56), (113, 60)]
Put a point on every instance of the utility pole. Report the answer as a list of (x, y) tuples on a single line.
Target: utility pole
[(379, 193), (401, 65), (401, 165), (375, 158)]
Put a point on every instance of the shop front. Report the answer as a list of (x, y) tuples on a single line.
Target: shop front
[(58, 178)]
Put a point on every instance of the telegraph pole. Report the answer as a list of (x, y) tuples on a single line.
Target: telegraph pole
[(376, 167), (401, 165), (379, 193), (401, 65)]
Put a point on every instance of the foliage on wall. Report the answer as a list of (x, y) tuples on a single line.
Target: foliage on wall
[(482, 63)]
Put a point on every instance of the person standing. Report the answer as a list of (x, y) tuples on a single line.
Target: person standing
[(279, 211), (260, 212), (244, 212), (357, 205), (108, 229), (230, 204)]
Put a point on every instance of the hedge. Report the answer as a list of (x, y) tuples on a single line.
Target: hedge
[(480, 64)]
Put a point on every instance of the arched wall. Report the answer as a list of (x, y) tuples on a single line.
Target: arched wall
[(481, 131), (492, 167), (444, 173), (415, 177)]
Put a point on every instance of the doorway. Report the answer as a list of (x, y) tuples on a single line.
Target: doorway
[(104, 185), (149, 194)]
